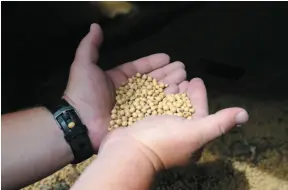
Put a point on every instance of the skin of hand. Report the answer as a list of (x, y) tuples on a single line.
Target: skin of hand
[(91, 91), (156, 143), (34, 146)]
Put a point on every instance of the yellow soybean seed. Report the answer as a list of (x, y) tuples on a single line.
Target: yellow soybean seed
[(130, 80), (138, 107), (138, 75), (142, 103), (149, 78), (151, 103), (124, 118), (71, 125), (140, 115), (143, 110), (132, 109), (122, 112), (146, 106), (129, 93), (165, 108), (134, 114), (173, 109), (118, 121), (169, 113)]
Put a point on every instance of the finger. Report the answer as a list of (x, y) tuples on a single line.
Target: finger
[(198, 96), (213, 126), (163, 72), (183, 86), (87, 51), (144, 65), (175, 77), (172, 89)]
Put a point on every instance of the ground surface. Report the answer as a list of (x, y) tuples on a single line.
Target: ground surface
[(253, 157)]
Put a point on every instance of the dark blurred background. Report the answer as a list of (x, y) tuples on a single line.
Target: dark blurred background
[(236, 47)]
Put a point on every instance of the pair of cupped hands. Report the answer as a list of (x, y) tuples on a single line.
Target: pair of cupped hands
[(168, 140)]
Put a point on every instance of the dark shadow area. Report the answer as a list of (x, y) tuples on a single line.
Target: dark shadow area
[(244, 41), (214, 175), (149, 18)]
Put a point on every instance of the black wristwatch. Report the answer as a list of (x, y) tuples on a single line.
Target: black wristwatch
[(75, 132)]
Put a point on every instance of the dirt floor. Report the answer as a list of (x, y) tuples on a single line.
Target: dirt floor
[(253, 156)]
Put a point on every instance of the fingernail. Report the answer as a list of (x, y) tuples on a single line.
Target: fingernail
[(241, 117), (91, 27)]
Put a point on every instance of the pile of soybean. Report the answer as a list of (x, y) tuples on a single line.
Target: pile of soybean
[(142, 96)]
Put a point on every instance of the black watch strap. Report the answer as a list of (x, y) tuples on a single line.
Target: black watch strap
[(75, 132)]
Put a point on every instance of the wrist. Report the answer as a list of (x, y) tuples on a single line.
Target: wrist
[(120, 162), (74, 131), (57, 133), (123, 138)]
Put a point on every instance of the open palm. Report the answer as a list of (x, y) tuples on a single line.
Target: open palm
[(92, 91)]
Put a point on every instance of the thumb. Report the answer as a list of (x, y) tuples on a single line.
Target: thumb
[(213, 126), (87, 51)]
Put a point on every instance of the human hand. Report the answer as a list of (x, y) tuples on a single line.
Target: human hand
[(167, 141), (90, 90)]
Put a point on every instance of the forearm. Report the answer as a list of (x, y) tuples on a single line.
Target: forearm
[(33, 147), (117, 168)]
